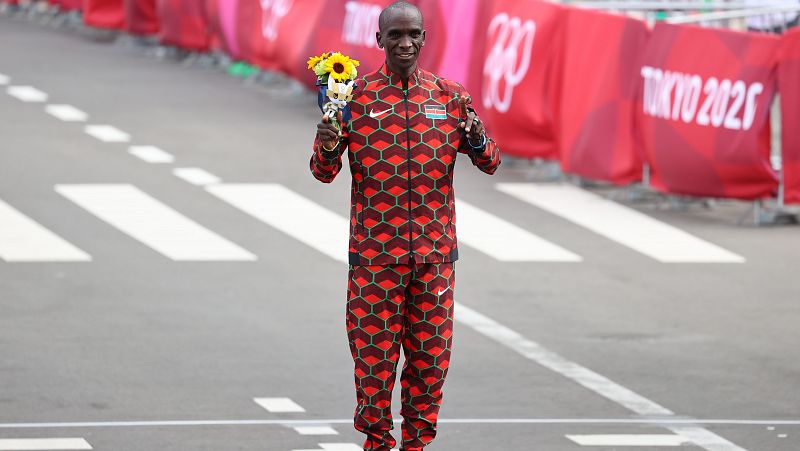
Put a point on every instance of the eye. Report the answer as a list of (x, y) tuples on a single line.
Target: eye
[(416, 34)]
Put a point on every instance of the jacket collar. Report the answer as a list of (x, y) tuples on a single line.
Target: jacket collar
[(395, 80)]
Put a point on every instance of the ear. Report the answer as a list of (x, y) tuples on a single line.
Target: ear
[(378, 39), (423, 38)]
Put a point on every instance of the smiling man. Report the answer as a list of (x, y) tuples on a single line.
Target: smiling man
[(407, 127)]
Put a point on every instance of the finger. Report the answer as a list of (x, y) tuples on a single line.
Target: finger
[(339, 116), (325, 119), (470, 120)]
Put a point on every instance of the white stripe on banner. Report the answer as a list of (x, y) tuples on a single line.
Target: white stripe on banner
[(27, 93), (290, 213), (629, 440), (624, 225), (156, 225), (67, 113), (593, 381), (24, 240), (23, 444), (151, 154), (107, 133), (504, 240)]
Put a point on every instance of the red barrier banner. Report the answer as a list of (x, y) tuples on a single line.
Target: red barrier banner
[(598, 94), (704, 111), (789, 85), (140, 16), (184, 24), (104, 13), (513, 72)]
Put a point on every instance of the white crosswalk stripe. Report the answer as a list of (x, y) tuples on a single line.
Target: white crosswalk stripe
[(290, 213), (107, 133), (315, 430), (279, 405), (505, 241), (196, 176), (37, 444), (151, 154), (621, 224), (27, 93), (154, 224), (24, 240), (66, 113)]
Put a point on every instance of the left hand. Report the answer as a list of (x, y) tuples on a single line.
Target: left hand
[(473, 125)]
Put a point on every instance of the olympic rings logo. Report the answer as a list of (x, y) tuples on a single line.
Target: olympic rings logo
[(272, 11), (506, 62)]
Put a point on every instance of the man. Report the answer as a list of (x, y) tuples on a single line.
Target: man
[(407, 127)]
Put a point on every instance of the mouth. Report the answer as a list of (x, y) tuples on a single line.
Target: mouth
[(405, 55)]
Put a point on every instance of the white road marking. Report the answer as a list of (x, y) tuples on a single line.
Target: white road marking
[(782, 435), (27, 93), (503, 240), (4, 79), (665, 421), (315, 430), (24, 240), (196, 176), (107, 133), (279, 405), (584, 376), (628, 439), (151, 154), (340, 447), (67, 113), (624, 225), (154, 224), (20, 444), (290, 213)]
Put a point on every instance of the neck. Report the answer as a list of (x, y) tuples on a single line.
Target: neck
[(404, 75)]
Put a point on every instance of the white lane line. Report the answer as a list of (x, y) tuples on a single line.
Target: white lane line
[(196, 176), (66, 113), (628, 439), (497, 421), (27, 93), (20, 444), (503, 240), (4, 79), (315, 430), (290, 213), (624, 225), (151, 154), (583, 376), (24, 240), (153, 223), (279, 405), (107, 133)]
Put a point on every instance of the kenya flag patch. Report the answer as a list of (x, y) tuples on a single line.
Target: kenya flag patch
[(435, 112)]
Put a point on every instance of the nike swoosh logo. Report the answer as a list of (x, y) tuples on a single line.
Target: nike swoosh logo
[(375, 114), (440, 292)]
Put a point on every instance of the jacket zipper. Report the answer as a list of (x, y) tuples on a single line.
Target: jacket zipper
[(408, 147)]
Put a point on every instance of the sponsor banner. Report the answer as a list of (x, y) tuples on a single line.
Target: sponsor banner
[(789, 85), (597, 96), (104, 13), (349, 26), (184, 24), (703, 111), (140, 16), (513, 72)]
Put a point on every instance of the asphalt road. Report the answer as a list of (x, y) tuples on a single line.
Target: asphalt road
[(137, 349)]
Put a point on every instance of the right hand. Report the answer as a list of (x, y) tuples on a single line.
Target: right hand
[(328, 134)]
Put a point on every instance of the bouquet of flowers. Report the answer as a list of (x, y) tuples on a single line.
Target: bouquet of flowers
[(336, 74)]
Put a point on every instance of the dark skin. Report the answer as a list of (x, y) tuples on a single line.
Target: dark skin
[(401, 37)]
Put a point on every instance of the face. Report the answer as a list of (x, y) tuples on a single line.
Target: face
[(401, 38)]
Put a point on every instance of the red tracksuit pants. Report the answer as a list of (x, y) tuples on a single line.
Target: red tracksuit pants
[(388, 306)]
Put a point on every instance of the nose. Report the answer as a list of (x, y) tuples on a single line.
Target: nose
[(405, 42)]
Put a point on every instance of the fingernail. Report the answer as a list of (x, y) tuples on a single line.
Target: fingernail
[(467, 129)]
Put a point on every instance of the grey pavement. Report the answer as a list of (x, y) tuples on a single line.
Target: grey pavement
[(135, 336)]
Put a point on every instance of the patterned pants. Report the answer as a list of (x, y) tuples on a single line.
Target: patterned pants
[(388, 306)]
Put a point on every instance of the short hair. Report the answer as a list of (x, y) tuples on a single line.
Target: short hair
[(399, 5)]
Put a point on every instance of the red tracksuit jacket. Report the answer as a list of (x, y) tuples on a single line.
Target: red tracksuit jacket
[(402, 149)]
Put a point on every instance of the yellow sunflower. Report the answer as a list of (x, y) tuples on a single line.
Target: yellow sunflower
[(313, 61), (340, 67)]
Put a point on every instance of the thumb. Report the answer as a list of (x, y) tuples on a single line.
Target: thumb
[(325, 119), (339, 116)]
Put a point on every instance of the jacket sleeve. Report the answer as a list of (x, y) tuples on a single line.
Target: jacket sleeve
[(325, 165), (486, 159)]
